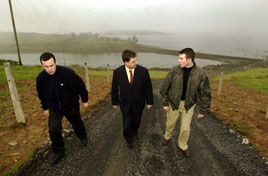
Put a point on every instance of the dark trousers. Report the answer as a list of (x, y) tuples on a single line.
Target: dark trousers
[(55, 127), (131, 124)]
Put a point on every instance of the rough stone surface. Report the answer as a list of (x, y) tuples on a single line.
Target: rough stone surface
[(231, 131), (214, 150), (245, 141), (13, 143)]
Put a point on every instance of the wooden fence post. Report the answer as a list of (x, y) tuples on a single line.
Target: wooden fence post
[(87, 77), (108, 76), (220, 84), (14, 94)]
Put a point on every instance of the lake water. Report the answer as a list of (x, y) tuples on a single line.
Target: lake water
[(233, 45), (114, 60), (227, 45)]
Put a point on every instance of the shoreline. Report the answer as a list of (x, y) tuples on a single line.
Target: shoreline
[(228, 62), (90, 43)]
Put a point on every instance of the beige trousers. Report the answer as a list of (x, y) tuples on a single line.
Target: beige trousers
[(186, 118)]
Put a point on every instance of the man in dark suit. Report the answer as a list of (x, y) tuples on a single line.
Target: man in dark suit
[(131, 89)]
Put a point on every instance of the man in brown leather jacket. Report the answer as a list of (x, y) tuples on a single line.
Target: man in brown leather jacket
[(185, 86)]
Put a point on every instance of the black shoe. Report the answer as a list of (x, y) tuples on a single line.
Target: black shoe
[(55, 158), (130, 145), (135, 137), (83, 142)]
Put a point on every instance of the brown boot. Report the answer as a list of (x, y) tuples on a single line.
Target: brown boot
[(186, 153), (164, 142)]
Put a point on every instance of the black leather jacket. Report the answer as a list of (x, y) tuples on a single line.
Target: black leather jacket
[(60, 91)]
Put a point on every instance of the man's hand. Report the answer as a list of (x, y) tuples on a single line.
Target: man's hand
[(85, 105), (115, 107), (148, 106), (46, 113), (166, 108), (200, 115)]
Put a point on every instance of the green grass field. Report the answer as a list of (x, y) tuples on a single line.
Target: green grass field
[(255, 78), (20, 72), (30, 72), (158, 74)]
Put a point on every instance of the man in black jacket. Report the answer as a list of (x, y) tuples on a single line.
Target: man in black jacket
[(135, 89), (59, 89)]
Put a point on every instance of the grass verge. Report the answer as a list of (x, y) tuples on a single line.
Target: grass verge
[(30, 72), (241, 128), (255, 78), (15, 168)]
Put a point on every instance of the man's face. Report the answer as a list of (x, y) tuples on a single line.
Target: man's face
[(183, 61), (49, 66), (132, 63)]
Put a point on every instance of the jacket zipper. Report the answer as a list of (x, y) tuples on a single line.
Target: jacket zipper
[(56, 93)]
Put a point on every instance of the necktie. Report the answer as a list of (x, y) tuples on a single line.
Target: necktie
[(131, 77)]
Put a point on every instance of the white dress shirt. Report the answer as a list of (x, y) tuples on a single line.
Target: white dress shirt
[(128, 74)]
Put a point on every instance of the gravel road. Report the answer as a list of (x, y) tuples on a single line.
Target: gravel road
[(214, 150)]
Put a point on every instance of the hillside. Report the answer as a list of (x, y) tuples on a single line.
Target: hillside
[(71, 43), (91, 43), (135, 32)]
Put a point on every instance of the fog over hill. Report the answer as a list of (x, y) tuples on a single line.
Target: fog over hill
[(136, 32), (225, 27)]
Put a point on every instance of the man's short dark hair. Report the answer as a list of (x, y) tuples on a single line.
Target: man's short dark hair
[(46, 56), (127, 54), (189, 53)]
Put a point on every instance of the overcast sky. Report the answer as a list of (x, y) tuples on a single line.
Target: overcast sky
[(245, 17)]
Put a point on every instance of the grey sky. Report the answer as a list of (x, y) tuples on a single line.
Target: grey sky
[(244, 17)]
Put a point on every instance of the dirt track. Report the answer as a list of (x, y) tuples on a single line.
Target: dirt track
[(214, 150)]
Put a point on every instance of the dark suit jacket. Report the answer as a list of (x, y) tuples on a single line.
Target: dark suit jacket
[(134, 96)]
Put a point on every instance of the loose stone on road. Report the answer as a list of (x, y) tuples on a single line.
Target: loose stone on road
[(214, 150)]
